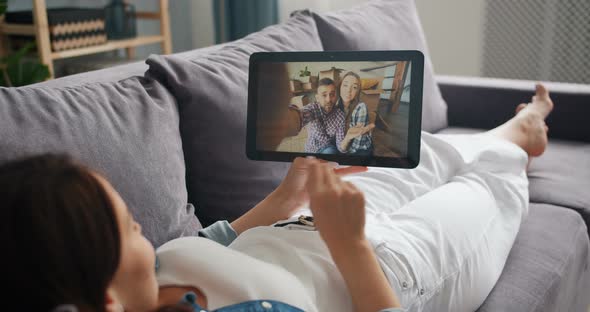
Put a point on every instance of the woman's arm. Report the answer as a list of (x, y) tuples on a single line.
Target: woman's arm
[(289, 196), (307, 114), (276, 206), (368, 286), (339, 215), (360, 115), (354, 132), (359, 126)]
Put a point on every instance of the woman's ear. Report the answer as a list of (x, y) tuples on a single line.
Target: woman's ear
[(111, 303)]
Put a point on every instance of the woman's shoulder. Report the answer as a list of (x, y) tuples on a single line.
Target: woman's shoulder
[(179, 245), (360, 106)]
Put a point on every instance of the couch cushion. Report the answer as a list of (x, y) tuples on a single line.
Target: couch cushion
[(212, 92), (126, 130), (561, 176), (548, 268), (385, 25), (110, 74)]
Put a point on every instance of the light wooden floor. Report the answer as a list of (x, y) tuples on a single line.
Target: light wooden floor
[(294, 143), (392, 142)]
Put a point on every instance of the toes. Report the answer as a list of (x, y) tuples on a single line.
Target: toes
[(520, 107), (540, 90)]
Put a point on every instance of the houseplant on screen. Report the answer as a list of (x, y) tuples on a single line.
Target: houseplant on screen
[(304, 75), (15, 71)]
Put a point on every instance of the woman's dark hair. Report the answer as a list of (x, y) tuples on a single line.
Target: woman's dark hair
[(59, 238)]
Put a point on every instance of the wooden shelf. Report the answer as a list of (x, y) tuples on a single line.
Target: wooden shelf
[(17, 29), (109, 46), (41, 32), (300, 92)]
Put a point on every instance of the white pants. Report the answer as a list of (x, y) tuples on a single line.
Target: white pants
[(442, 231)]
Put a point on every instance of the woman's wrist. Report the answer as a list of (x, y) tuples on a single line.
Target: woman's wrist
[(286, 201), (368, 287), (272, 209), (345, 142), (343, 248)]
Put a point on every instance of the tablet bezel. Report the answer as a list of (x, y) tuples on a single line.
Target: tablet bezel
[(415, 115)]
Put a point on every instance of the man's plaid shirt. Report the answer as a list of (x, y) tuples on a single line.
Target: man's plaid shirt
[(323, 129)]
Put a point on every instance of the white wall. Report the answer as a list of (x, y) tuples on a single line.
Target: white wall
[(201, 23), (453, 29), (288, 6), (454, 33)]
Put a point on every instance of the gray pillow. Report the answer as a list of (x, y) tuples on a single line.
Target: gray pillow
[(212, 93), (385, 25), (126, 130)]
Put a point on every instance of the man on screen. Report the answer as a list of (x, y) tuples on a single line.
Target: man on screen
[(325, 123)]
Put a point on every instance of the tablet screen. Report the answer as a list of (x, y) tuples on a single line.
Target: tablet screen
[(350, 111)]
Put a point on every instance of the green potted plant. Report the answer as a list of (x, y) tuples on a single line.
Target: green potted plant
[(304, 75), (15, 70)]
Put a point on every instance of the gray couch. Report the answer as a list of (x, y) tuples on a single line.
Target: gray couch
[(147, 127)]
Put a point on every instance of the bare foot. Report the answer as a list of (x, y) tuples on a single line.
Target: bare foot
[(520, 107), (527, 128), (532, 120), (540, 102)]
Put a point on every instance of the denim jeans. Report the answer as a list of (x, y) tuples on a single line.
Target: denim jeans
[(190, 300), (329, 149)]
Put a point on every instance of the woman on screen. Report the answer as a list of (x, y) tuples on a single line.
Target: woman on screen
[(357, 116)]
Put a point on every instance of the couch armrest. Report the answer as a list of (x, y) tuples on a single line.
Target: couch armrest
[(487, 102)]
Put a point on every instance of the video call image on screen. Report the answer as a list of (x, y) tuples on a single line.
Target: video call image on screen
[(351, 108)]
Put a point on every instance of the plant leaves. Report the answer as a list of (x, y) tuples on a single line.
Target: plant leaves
[(23, 72), (35, 72), (3, 5), (27, 72), (18, 71), (2, 82), (15, 58)]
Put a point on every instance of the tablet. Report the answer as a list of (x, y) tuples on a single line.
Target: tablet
[(354, 107)]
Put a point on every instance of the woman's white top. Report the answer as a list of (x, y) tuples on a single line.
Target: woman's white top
[(290, 264), (227, 276)]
